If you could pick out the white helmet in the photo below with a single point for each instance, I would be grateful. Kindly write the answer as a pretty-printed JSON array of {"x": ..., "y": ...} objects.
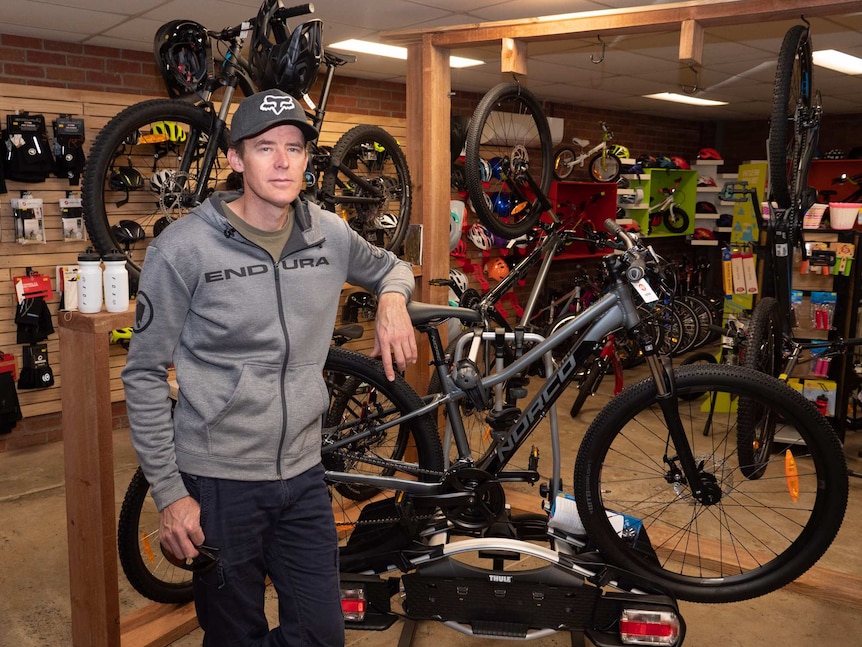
[
  {"x": 161, "y": 180},
  {"x": 385, "y": 221},
  {"x": 480, "y": 236},
  {"x": 456, "y": 222},
  {"x": 459, "y": 279}
]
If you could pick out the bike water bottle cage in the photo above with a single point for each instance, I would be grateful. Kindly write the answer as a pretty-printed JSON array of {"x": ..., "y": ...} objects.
[{"x": 183, "y": 54}]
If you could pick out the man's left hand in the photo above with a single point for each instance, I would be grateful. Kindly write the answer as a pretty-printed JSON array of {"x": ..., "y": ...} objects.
[{"x": 394, "y": 336}]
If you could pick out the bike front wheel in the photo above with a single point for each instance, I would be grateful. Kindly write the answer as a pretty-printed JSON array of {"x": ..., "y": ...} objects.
[
  {"x": 675, "y": 219},
  {"x": 368, "y": 184},
  {"x": 727, "y": 537},
  {"x": 509, "y": 151},
  {"x": 362, "y": 400},
  {"x": 144, "y": 170},
  {"x": 605, "y": 168}
]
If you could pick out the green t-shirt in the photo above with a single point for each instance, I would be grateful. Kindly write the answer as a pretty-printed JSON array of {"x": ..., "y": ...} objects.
[{"x": 271, "y": 241}]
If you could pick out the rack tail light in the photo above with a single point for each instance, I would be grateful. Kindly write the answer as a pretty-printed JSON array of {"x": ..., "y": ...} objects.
[{"x": 645, "y": 627}]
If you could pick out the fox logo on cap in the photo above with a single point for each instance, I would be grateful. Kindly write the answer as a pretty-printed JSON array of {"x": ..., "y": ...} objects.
[{"x": 277, "y": 104}]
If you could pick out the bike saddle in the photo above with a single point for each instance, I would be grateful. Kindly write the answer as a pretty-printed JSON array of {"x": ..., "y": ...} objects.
[
  {"x": 583, "y": 143},
  {"x": 423, "y": 313}
]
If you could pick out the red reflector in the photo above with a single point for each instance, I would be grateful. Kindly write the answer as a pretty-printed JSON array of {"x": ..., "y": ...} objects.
[
  {"x": 645, "y": 629},
  {"x": 353, "y": 606}
]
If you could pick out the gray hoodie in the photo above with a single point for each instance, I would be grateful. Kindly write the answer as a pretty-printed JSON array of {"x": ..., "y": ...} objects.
[{"x": 248, "y": 338}]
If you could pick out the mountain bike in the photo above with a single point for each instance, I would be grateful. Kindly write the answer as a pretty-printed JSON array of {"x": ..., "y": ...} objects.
[
  {"x": 156, "y": 160},
  {"x": 658, "y": 483},
  {"x": 604, "y": 162}
]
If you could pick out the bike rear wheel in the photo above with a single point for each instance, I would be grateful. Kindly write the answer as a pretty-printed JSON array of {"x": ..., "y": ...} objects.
[
  {"x": 361, "y": 400},
  {"x": 141, "y": 558},
  {"x": 510, "y": 133},
  {"x": 747, "y": 537},
  {"x": 675, "y": 219},
  {"x": 789, "y": 137},
  {"x": 368, "y": 184},
  {"x": 564, "y": 163},
  {"x": 143, "y": 169}
]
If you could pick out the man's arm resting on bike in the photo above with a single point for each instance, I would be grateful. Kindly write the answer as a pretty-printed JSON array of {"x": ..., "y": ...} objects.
[{"x": 394, "y": 336}]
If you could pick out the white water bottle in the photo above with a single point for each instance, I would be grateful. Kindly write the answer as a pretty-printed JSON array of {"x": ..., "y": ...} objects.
[
  {"x": 89, "y": 282},
  {"x": 116, "y": 279}
]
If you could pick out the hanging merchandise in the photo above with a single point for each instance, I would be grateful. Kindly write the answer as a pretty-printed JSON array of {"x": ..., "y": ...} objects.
[
  {"x": 72, "y": 215},
  {"x": 28, "y": 155},
  {"x": 67, "y": 286},
  {"x": 29, "y": 222},
  {"x": 36, "y": 373},
  {"x": 33, "y": 320},
  {"x": 69, "y": 148},
  {"x": 32, "y": 285},
  {"x": 10, "y": 410}
]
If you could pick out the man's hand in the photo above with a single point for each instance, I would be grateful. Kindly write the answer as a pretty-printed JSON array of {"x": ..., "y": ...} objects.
[
  {"x": 394, "y": 336},
  {"x": 180, "y": 528}
]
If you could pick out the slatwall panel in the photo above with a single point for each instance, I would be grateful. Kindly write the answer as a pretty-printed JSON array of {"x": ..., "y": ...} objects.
[{"x": 96, "y": 109}]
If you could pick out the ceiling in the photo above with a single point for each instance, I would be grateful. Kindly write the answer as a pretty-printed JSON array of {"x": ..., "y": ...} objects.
[{"x": 738, "y": 63}]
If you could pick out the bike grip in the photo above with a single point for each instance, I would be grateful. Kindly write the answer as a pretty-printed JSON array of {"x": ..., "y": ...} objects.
[
  {"x": 612, "y": 226},
  {"x": 636, "y": 271},
  {"x": 299, "y": 10}
]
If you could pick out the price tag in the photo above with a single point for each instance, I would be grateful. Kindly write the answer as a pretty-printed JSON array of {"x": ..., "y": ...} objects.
[{"x": 645, "y": 291}]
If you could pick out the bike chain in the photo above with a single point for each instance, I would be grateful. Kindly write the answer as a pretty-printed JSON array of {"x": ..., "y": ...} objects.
[{"x": 380, "y": 462}]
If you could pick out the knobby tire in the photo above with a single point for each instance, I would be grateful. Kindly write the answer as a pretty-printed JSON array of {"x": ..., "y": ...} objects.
[{"x": 755, "y": 538}]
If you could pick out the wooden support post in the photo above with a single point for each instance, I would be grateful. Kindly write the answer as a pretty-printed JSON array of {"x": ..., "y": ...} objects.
[
  {"x": 514, "y": 57},
  {"x": 89, "y": 474},
  {"x": 691, "y": 42},
  {"x": 428, "y": 125}
]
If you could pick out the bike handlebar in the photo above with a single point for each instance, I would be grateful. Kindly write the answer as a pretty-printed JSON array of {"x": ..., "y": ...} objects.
[{"x": 291, "y": 12}]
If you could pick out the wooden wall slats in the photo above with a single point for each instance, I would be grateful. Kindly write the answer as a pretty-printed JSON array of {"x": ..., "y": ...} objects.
[{"x": 96, "y": 108}]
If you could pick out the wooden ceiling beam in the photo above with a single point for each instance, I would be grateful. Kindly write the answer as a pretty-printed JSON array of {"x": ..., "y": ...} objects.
[{"x": 632, "y": 20}]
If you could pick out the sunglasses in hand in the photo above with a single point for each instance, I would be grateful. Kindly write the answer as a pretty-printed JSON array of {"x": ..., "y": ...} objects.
[{"x": 206, "y": 559}]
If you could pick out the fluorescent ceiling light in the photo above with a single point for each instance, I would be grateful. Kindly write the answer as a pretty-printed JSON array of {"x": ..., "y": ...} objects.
[
  {"x": 685, "y": 98},
  {"x": 391, "y": 51},
  {"x": 838, "y": 61}
]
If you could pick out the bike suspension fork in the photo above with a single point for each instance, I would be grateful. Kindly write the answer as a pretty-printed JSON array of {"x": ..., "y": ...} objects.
[{"x": 661, "y": 370}]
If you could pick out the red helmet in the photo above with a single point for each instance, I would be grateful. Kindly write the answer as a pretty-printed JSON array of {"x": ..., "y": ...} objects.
[
  {"x": 679, "y": 162},
  {"x": 708, "y": 154}
]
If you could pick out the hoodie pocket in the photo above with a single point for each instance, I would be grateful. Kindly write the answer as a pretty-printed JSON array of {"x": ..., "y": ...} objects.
[
  {"x": 249, "y": 425},
  {"x": 307, "y": 400}
]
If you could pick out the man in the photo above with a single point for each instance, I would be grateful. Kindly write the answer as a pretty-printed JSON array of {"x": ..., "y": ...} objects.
[{"x": 241, "y": 297}]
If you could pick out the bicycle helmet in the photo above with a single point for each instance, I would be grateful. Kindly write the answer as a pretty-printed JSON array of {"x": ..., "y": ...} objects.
[
  {"x": 290, "y": 63},
  {"x": 385, "y": 221},
  {"x": 459, "y": 280},
  {"x": 708, "y": 154},
  {"x": 484, "y": 170},
  {"x": 705, "y": 180},
  {"x": 460, "y": 250},
  {"x": 128, "y": 232},
  {"x": 705, "y": 207},
  {"x": 168, "y": 131},
  {"x": 679, "y": 162},
  {"x": 161, "y": 180},
  {"x": 619, "y": 151},
  {"x": 125, "y": 178},
  {"x": 358, "y": 306},
  {"x": 502, "y": 202},
  {"x": 456, "y": 222},
  {"x": 183, "y": 53},
  {"x": 480, "y": 236},
  {"x": 497, "y": 269}
]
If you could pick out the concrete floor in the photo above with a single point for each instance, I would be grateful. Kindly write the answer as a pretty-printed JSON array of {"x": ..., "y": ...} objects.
[{"x": 34, "y": 585}]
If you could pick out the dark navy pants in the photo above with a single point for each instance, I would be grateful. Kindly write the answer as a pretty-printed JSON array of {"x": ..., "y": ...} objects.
[{"x": 283, "y": 529}]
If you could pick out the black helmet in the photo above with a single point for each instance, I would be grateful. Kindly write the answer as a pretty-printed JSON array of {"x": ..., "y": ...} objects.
[
  {"x": 290, "y": 63},
  {"x": 128, "y": 232},
  {"x": 125, "y": 178},
  {"x": 183, "y": 52}
]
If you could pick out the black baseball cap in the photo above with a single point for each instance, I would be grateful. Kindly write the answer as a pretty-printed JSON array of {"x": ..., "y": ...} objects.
[{"x": 266, "y": 109}]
